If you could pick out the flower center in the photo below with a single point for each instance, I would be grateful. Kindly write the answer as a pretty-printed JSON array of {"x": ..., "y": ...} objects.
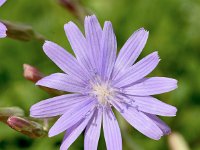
[{"x": 103, "y": 92}]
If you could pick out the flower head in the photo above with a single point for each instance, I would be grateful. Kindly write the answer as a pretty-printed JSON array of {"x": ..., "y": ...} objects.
[
  {"x": 3, "y": 28},
  {"x": 99, "y": 81}
]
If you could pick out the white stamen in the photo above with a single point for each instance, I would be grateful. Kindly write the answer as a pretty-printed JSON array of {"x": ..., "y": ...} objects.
[{"x": 103, "y": 92}]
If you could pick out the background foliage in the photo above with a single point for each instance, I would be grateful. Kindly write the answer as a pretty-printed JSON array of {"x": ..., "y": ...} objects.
[{"x": 174, "y": 31}]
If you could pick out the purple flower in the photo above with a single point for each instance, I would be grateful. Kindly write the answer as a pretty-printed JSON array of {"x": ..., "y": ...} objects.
[
  {"x": 3, "y": 28},
  {"x": 100, "y": 81}
]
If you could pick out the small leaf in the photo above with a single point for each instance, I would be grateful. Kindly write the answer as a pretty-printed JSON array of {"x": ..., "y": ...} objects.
[{"x": 22, "y": 32}]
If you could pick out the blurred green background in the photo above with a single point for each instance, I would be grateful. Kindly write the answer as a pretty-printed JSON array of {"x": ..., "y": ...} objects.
[{"x": 174, "y": 27}]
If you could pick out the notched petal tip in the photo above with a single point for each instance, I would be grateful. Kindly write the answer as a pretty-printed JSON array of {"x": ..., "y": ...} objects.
[
  {"x": 87, "y": 17},
  {"x": 108, "y": 23},
  {"x": 157, "y": 138},
  {"x": 142, "y": 29},
  {"x": 155, "y": 55},
  {"x": 93, "y": 16},
  {"x": 108, "y": 26},
  {"x": 174, "y": 110},
  {"x": 68, "y": 24},
  {"x": 46, "y": 42},
  {"x": 38, "y": 83},
  {"x": 49, "y": 46},
  {"x": 46, "y": 45},
  {"x": 174, "y": 82},
  {"x": 50, "y": 134}
]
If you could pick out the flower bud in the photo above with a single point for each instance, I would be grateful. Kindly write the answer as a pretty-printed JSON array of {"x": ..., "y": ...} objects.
[
  {"x": 22, "y": 32},
  {"x": 26, "y": 126},
  {"x": 75, "y": 8},
  {"x": 31, "y": 73},
  {"x": 6, "y": 112}
]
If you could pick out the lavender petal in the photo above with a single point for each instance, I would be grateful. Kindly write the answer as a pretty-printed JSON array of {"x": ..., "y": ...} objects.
[
  {"x": 57, "y": 105},
  {"x": 78, "y": 44},
  {"x": 152, "y": 105},
  {"x": 64, "y": 60},
  {"x": 131, "y": 50},
  {"x": 139, "y": 121},
  {"x": 92, "y": 132},
  {"x": 152, "y": 86},
  {"x": 111, "y": 130},
  {"x": 163, "y": 126},
  {"x": 62, "y": 82},
  {"x": 93, "y": 33},
  {"x": 137, "y": 71},
  {"x": 108, "y": 50},
  {"x": 70, "y": 118},
  {"x": 73, "y": 132}
]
